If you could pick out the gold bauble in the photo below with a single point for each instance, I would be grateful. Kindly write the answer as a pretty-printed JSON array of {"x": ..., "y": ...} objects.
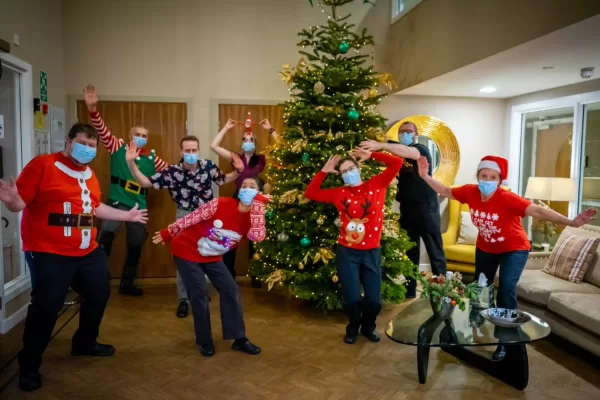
[
  {"x": 321, "y": 220},
  {"x": 256, "y": 256},
  {"x": 301, "y": 266},
  {"x": 334, "y": 279},
  {"x": 267, "y": 188},
  {"x": 373, "y": 93},
  {"x": 319, "y": 87}
]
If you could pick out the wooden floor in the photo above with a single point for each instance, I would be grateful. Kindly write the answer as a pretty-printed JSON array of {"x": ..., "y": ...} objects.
[{"x": 303, "y": 358}]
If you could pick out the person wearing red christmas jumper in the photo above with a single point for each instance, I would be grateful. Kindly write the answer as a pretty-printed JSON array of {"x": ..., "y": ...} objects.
[
  {"x": 502, "y": 242},
  {"x": 198, "y": 242},
  {"x": 358, "y": 256}
]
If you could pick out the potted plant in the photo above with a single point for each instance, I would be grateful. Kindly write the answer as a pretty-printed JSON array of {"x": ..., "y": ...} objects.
[{"x": 446, "y": 292}]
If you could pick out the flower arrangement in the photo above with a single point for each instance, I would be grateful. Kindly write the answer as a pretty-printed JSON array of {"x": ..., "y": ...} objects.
[{"x": 447, "y": 289}]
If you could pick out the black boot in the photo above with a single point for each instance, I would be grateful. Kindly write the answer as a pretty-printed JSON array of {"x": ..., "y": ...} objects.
[
  {"x": 183, "y": 309},
  {"x": 207, "y": 350},
  {"x": 129, "y": 288},
  {"x": 500, "y": 353},
  {"x": 245, "y": 346},
  {"x": 30, "y": 382},
  {"x": 411, "y": 288},
  {"x": 96, "y": 350},
  {"x": 353, "y": 310}
]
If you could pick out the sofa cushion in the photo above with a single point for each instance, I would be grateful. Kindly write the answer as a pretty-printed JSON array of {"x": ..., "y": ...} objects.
[
  {"x": 536, "y": 287},
  {"x": 593, "y": 274},
  {"x": 468, "y": 232},
  {"x": 572, "y": 256},
  {"x": 581, "y": 309},
  {"x": 464, "y": 253}
]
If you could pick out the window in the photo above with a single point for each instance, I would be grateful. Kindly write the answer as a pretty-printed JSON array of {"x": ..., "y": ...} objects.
[{"x": 401, "y": 7}]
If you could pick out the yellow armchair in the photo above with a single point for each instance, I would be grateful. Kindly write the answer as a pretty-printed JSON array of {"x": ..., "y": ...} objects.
[{"x": 459, "y": 257}]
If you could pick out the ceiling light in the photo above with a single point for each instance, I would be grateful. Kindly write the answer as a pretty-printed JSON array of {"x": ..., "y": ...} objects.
[{"x": 487, "y": 89}]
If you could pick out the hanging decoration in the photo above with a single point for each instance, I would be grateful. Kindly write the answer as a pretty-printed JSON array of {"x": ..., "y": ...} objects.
[
  {"x": 344, "y": 47},
  {"x": 278, "y": 276},
  {"x": 283, "y": 237},
  {"x": 353, "y": 114},
  {"x": 270, "y": 214},
  {"x": 287, "y": 74},
  {"x": 387, "y": 80},
  {"x": 256, "y": 256},
  {"x": 305, "y": 158},
  {"x": 321, "y": 220},
  {"x": 337, "y": 222},
  {"x": 319, "y": 87},
  {"x": 373, "y": 93},
  {"x": 335, "y": 279},
  {"x": 305, "y": 241}
]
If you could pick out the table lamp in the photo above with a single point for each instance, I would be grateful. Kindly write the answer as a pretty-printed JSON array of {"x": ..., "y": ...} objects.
[{"x": 549, "y": 189}]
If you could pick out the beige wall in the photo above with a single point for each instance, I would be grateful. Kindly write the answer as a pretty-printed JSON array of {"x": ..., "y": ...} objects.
[
  {"x": 203, "y": 51},
  {"x": 439, "y": 36},
  {"x": 38, "y": 24}
]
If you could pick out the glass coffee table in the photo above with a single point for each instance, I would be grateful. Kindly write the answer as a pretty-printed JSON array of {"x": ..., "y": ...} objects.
[{"x": 416, "y": 326}]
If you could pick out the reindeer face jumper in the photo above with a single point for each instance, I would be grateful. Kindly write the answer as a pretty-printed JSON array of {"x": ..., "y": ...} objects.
[{"x": 361, "y": 207}]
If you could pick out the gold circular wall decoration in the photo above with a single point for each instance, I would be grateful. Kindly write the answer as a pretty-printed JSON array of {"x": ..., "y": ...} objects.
[{"x": 442, "y": 136}]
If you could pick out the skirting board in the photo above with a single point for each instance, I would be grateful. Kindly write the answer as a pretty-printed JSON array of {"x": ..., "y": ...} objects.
[{"x": 13, "y": 320}]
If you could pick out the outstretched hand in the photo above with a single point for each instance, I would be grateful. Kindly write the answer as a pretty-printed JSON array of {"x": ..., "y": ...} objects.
[
  {"x": 136, "y": 215},
  {"x": 361, "y": 155},
  {"x": 371, "y": 145},
  {"x": 230, "y": 124},
  {"x": 131, "y": 151},
  {"x": 8, "y": 191},
  {"x": 265, "y": 124},
  {"x": 91, "y": 98},
  {"x": 237, "y": 163},
  {"x": 423, "y": 165},
  {"x": 329, "y": 167},
  {"x": 157, "y": 239},
  {"x": 584, "y": 217}
]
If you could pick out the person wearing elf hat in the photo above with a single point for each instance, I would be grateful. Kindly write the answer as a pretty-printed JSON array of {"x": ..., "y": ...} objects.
[
  {"x": 198, "y": 242},
  {"x": 254, "y": 164},
  {"x": 502, "y": 242},
  {"x": 124, "y": 192}
]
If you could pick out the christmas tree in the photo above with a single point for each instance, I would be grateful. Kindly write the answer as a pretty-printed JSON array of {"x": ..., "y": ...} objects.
[{"x": 332, "y": 109}]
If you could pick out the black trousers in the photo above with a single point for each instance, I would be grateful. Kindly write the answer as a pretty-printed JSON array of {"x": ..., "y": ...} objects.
[
  {"x": 51, "y": 276},
  {"x": 423, "y": 222},
  {"x": 136, "y": 236},
  {"x": 356, "y": 268}
]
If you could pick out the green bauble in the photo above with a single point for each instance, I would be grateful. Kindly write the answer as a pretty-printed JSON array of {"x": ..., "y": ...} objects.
[
  {"x": 305, "y": 242},
  {"x": 305, "y": 158},
  {"x": 270, "y": 215},
  {"x": 344, "y": 47},
  {"x": 353, "y": 115}
]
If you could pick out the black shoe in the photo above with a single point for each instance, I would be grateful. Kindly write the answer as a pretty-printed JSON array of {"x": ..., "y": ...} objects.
[
  {"x": 97, "y": 350},
  {"x": 130, "y": 289},
  {"x": 350, "y": 337},
  {"x": 30, "y": 382},
  {"x": 207, "y": 350},
  {"x": 246, "y": 347},
  {"x": 255, "y": 283},
  {"x": 183, "y": 309},
  {"x": 372, "y": 335},
  {"x": 499, "y": 354}
]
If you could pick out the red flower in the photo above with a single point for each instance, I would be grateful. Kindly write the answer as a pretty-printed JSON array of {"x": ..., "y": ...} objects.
[{"x": 423, "y": 273}]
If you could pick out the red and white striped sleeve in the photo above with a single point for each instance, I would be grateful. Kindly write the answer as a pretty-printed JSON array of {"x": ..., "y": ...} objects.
[
  {"x": 110, "y": 142},
  {"x": 203, "y": 213},
  {"x": 159, "y": 163}
]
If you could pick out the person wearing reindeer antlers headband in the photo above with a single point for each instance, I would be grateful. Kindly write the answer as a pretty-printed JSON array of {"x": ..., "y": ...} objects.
[
  {"x": 254, "y": 164},
  {"x": 358, "y": 256}
]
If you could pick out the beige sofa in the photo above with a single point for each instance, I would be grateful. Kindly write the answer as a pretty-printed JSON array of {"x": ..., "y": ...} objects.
[{"x": 572, "y": 310}]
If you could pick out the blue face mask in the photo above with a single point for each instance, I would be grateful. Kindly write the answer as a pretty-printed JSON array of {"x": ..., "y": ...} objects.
[
  {"x": 83, "y": 154},
  {"x": 190, "y": 159},
  {"x": 248, "y": 146},
  {"x": 406, "y": 138},
  {"x": 139, "y": 141},
  {"x": 352, "y": 177},
  {"x": 246, "y": 195},
  {"x": 488, "y": 187}
]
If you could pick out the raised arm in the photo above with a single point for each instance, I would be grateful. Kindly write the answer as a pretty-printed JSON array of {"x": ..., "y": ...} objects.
[
  {"x": 547, "y": 214},
  {"x": 159, "y": 163},
  {"x": 386, "y": 177},
  {"x": 258, "y": 231},
  {"x": 216, "y": 144},
  {"x": 204, "y": 212},
  {"x": 110, "y": 142},
  {"x": 267, "y": 125},
  {"x": 397, "y": 149},
  {"x": 131, "y": 154},
  {"x": 9, "y": 195},
  {"x": 313, "y": 190},
  {"x": 438, "y": 187}
]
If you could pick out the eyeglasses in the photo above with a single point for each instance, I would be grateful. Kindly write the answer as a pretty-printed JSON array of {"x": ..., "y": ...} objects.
[
  {"x": 352, "y": 168},
  {"x": 411, "y": 132}
]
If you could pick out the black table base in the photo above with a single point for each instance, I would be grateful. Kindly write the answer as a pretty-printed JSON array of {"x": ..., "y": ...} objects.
[{"x": 512, "y": 370}]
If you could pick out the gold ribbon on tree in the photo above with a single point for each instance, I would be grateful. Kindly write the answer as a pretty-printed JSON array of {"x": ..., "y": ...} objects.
[
  {"x": 289, "y": 197},
  {"x": 390, "y": 228},
  {"x": 287, "y": 74},
  {"x": 298, "y": 145},
  {"x": 387, "y": 80},
  {"x": 277, "y": 276}
]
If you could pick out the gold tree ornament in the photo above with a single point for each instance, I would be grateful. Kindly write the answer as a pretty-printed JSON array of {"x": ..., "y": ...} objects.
[
  {"x": 287, "y": 74},
  {"x": 321, "y": 220},
  {"x": 256, "y": 256},
  {"x": 289, "y": 197},
  {"x": 319, "y": 88},
  {"x": 387, "y": 80},
  {"x": 335, "y": 279},
  {"x": 275, "y": 277},
  {"x": 373, "y": 93},
  {"x": 302, "y": 65},
  {"x": 298, "y": 145}
]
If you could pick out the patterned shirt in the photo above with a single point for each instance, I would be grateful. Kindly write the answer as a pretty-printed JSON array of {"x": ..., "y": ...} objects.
[{"x": 189, "y": 189}]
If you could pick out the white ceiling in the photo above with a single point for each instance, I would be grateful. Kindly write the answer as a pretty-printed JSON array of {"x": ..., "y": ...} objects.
[{"x": 519, "y": 70}]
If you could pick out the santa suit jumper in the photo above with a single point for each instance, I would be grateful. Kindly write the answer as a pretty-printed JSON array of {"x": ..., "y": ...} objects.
[
  {"x": 358, "y": 256},
  {"x": 58, "y": 236},
  {"x": 198, "y": 242},
  {"x": 124, "y": 193}
]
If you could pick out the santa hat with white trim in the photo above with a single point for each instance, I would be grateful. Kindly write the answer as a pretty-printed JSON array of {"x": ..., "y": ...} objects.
[{"x": 497, "y": 164}]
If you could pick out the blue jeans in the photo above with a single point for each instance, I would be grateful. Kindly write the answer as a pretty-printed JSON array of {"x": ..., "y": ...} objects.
[{"x": 511, "y": 266}]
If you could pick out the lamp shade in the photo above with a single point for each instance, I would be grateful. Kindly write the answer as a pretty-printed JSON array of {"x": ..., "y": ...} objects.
[{"x": 551, "y": 189}]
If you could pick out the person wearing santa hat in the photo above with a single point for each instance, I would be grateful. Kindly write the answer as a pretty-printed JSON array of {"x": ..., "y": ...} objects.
[
  {"x": 254, "y": 164},
  {"x": 502, "y": 242}
]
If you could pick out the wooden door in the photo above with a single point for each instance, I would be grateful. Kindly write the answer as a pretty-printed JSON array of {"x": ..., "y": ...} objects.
[
  {"x": 166, "y": 123},
  {"x": 233, "y": 142}
]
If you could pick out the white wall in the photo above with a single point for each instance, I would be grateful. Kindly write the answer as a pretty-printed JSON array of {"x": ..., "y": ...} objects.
[
  {"x": 200, "y": 50},
  {"x": 477, "y": 123}
]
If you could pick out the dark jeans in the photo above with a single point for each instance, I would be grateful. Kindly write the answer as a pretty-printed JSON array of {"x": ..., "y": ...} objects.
[
  {"x": 511, "y": 266},
  {"x": 194, "y": 278},
  {"x": 230, "y": 256},
  {"x": 356, "y": 268},
  {"x": 51, "y": 276},
  {"x": 136, "y": 236},
  {"x": 423, "y": 222}
]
